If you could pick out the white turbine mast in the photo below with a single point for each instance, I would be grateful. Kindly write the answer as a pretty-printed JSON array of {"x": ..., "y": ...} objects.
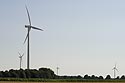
[
  {"x": 29, "y": 27},
  {"x": 115, "y": 69},
  {"x": 57, "y": 71},
  {"x": 20, "y": 56}
]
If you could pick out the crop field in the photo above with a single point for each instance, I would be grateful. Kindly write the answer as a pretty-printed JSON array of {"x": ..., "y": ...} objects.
[
  {"x": 36, "y": 80},
  {"x": 59, "y": 82}
]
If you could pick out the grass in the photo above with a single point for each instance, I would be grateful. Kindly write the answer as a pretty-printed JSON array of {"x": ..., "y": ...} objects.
[{"x": 55, "y": 80}]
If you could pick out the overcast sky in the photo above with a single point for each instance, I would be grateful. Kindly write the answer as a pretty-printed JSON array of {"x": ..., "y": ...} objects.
[{"x": 80, "y": 36}]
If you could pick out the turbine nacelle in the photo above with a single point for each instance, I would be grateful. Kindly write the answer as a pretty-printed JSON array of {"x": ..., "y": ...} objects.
[
  {"x": 20, "y": 56},
  {"x": 115, "y": 68},
  {"x": 29, "y": 26}
]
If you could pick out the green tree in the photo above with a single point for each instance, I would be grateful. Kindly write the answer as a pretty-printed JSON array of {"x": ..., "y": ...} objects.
[
  {"x": 6, "y": 74},
  {"x": 100, "y": 77},
  {"x": 46, "y": 73},
  {"x": 13, "y": 73},
  {"x": 117, "y": 77},
  {"x": 93, "y": 77},
  {"x": 1, "y": 74},
  {"x": 86, "y": 77},
  {"x": 108, "y": 77},
  {"x": 122, "y": 77},
  {"x": 34, "y": 73},
  {"x": 79, "y": 77},
  {"x": 22, "y": 73},
  {"x": 27, "y": 72}
]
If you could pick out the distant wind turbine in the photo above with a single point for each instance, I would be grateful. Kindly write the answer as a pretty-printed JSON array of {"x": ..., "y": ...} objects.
[
  {"x": 57, "y": 70},
  {"x": 20, "y": 56},
  {"x": 27, "y": 36},
  {"x": 115, "y": 69}
]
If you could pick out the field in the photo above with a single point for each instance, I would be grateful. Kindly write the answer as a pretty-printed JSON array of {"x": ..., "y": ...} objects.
[
  {"x": 60, "y": 82},
  {"x": 37, "y": 80}
]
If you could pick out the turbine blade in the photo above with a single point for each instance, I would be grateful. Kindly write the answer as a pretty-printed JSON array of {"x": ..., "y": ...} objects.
[
  {"x": 19, "y": 53},
  {"x": 36, "y": 28},
  {"x": 26, "y": 38},
  {"x": 29, "y": 28},
  {"x": 116, "y": 69},
  {"x": 28, "y": 15},
  {"x": 22, "y": 54}
]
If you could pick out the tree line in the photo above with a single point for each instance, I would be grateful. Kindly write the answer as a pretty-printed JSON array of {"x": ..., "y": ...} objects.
[
  {"x": 28, "y": 73},
  {"x": 47, "y": 73},
  {"x": 87, "y": 77}
]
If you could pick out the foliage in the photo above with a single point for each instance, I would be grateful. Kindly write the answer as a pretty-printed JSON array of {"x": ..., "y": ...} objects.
[
  {"x": 31, "y": 73},
  {"x": 58, "y": 80},
  {"x": 123, "y": 77},
  {"x": 46, "y": 74},
  {"x": 108, "y": 77}
]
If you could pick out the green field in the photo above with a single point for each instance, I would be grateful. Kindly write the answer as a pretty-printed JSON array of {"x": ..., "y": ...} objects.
[
  {"x": 59, "y": 82},
  {"x": 39, "y": 80}
]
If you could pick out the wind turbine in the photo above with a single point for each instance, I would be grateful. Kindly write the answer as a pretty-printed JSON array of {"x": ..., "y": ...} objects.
[
  {"x": 20, "y": 56},
  {"x": 27, "y": 36},
  {"x": 57, "y": 70},
  {"x": 115, "y": 69}
]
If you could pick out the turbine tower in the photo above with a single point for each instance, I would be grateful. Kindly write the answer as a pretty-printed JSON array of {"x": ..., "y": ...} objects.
[
  {"x": 27, "y": 36},
  {"x": 57, "y": 70},
  {"x": 20, "y": 56},
  {"x": 115, "y": 69}
]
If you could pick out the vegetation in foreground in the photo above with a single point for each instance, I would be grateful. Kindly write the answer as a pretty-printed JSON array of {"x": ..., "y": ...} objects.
[
  {"x": 57, "y": 80},
  {"x": 47, "y": 75}
]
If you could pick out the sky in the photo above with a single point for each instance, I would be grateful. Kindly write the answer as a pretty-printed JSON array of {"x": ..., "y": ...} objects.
[{"x": 80, "y": 36}]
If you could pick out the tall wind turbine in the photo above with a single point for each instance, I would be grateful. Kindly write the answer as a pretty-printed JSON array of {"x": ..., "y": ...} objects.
[
  {"x": 27, "y": 36},
  {"x": 20, "y": 56},
  {"x": 115, "y": 69}
]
